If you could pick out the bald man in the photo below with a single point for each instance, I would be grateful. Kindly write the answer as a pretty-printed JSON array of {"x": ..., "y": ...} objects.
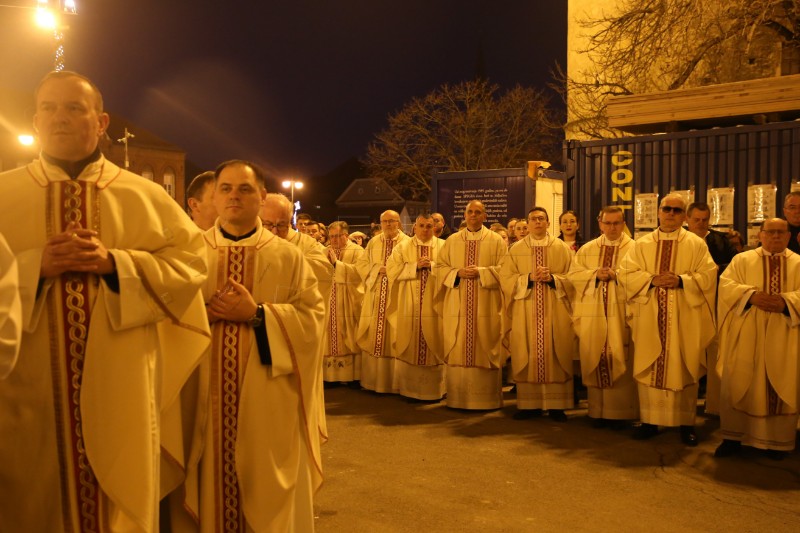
[
  {"x": 759, "y": 314},
  {"x": 669, "y": 280},
  {"x": 377, "y": 360},
  {"x": 469, "y": 303}
]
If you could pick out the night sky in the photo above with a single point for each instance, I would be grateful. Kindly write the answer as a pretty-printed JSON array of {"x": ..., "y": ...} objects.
[{"x": 298, "y": 86}]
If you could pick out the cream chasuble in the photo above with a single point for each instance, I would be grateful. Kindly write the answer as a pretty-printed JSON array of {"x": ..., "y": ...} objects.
[
  {"x": 470, "y": 310},
  {"x": 374, "y": 331},
  {"x": 759, "y": 350},
  {"x": 540, "y": 331},
  {"x": 671, "y": 328},
  {"x": 97, "y": 368},
  {"x": 261, "y": 461},
  {"x": 420, "y": 370},
  {"x": 599, "y": 315},
  {"x": 342, "y": 355},
  {"x": 10, "y": 310}
]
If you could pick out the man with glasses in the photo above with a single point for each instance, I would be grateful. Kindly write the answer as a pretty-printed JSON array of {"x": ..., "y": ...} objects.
[
  {"x": 377, "y": 361},
  {"x": 600, "y": 321},
  {"x": 791, "y": 212},
  {"x": 759, "y": 313},
  {"x": 669, "y": 280},
  {"x": 542, "y": 339}
]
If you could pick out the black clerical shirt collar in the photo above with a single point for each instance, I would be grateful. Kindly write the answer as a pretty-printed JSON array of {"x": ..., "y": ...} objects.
[
  {"x": 240, "y": 237},
  {"x": 73, "y": 168}
]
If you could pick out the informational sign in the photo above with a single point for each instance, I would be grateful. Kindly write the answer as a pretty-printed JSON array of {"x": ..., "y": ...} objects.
[
  {"x": 720, "y": 201},
  {"x": 504, "y": 196},
  {"x": 761, "y": 202},
  {"x": 645, "y": 211}
]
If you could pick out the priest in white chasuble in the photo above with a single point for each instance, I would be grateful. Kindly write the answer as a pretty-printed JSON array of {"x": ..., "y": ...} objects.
[
  {"x": 110, "y": 271},
  {"x": 599, "y": 315},
  {"x": 540, "y": 332},
  {"x": 469, "y": 302},
  {"x": 261, "y": 461},
  {"x": 276, "y": 216},
  {"x": 341, "y": 361},
  {"x": 10, "y": 310},
  {"x": 759, "y": 314},
  {"x": 374, "y": 330},
  {"x": 670, "y": 285},
  {"x": 419, "y": 369}
]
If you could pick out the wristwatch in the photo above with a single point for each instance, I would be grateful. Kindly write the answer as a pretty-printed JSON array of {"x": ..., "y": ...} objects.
[{"x": 258, "y": 318}]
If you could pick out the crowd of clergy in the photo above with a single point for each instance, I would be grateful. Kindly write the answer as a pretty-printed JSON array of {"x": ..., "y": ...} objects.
[{"x": 159, "y": 370}]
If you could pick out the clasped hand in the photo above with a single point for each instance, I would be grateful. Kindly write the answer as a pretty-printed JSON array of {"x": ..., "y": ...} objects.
[
  {"x": 772, "y": 303},
  {"x": 75, "y": 250},
  {"x": 233, "y": 303},
  {"x": 667, "y": 280}
]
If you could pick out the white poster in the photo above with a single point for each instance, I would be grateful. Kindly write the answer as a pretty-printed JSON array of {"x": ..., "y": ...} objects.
[
  {"x": 721, "y": 203},
  {"x": 645, "y": 210},
  {"x": 687, "y": 195},
  {"x": 761, "y": 202}
]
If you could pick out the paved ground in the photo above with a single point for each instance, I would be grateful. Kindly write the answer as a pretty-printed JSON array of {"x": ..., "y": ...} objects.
[{"x": 394, "y": 466}]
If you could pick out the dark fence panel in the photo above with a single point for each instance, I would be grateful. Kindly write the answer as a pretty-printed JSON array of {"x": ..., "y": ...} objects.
[{"x": 613, "y": 171}]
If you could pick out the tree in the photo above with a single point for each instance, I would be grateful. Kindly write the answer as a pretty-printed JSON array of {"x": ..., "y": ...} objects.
[
  {"x": 660, "y": 45},
  {"x": 462, "y": 127}
]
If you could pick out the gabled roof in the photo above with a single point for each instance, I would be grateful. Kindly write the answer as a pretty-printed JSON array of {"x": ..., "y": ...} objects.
[{"x": 369, "y": 191}]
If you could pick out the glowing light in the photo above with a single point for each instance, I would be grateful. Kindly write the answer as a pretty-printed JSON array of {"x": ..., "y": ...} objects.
[
  {"x": 25, "y": 139},
  {"x": 70, "y": 7},
  {"x": 298, "y": 184},
  {"x": 45, "y": 18},
  {"x": 286, "y": 184}
]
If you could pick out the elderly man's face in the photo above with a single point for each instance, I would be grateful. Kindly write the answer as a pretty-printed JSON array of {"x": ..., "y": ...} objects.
[
  {"x": 791, "y": 210},
  {"x": 390, "y": 225},
  {"x": 338, "y": 237},
  {"x": 671, "y": 214},
  {"x": 275, "y": 219},
  {"x": 775, "y": 236},
  {"x": 66, "y": 120}
]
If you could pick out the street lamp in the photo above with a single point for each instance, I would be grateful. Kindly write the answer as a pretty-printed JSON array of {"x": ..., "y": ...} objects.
[{"x": 292, "y": 184}]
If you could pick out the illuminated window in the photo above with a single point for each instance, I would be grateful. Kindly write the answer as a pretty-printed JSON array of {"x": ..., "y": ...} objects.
[
  {"x": 169, "y": 181},
  {"x": 147, "y": 172}
]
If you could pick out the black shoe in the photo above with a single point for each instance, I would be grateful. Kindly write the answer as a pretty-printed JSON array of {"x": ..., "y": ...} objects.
[
  {"x": 557, "y": 415},
  {"x": 776, "y": 455},
  {"x": 527, "y": 414},
  {"x": 598, "y": 423},
  {"x": 617, "y": 425},
  {"x": 688, "y": 436},
  {"x": 728, "y": 448},
  {"x": 330, "y": 384},
  {"x": 356, "y": 385},
  {"x": 645, "y": 431}
]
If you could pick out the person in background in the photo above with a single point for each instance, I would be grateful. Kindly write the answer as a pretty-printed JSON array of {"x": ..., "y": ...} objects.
[
  {"x": 570, "y": 226},
  {"x": 440, "y": 228},
  {"x": 512, "y": 222},
  {"x": 200, "y": 202},
  {"x": 520, "y": 230},
  {"x": 791, "y": 212},
  {"x": 358, "y": 237}
]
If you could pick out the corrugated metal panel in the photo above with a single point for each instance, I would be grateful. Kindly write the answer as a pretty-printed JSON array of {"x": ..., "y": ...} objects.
[{"x": 611, "y": 172}]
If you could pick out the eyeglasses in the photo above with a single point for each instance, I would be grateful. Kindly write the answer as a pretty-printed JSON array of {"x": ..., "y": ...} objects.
[
  {"x": 670, "y": 209},
  {"x": 280, "y": 227},
  {"x": 775, "y": 232},
  {"x": 538, "y": 219},
  {"x": 390, "y": 221},
  {"x": 614, "y": 224}
]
